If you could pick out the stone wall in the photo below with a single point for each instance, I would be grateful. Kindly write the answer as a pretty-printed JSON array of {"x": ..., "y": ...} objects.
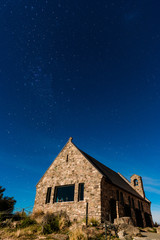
[
  {"x": 139, "y": 186},
  {"x": 125, "y": 208},
  {"x": 71, "y": 167}
]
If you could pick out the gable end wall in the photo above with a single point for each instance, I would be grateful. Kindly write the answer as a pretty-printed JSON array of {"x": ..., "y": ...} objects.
[{"x": 76, "y": 170}]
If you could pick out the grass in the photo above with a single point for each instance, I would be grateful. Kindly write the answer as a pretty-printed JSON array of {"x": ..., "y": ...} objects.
[
  {"x": 57, "y": 227},
  {"x": 152, "y": 230}
]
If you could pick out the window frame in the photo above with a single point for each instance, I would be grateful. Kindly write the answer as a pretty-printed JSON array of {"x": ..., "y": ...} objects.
[
  {"x": 61, "y": 186},
  {"x": 80, "y": 191},
  {"x": 48, "y": 195},
  {"x": 136, "y": 182}
]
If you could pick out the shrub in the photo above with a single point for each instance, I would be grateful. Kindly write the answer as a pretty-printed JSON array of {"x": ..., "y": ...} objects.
[
  {"x": 156, "y": 224},
  {"x": 19, "y": 216},
  {"x": 50, "y": 223},
  {"x": 77, "y": 234},
  {"x": 38, "y": 213},
  {"x": 6, "y": 223},
  {"x": 64, "y": 221},
  {"x": 26, "y": 222},
  {"x": 55, "y": 222},
  {"x": 1, "y": 217},
  {"x": 6, "y": 203},
  {"x": 93, "y": 222}
]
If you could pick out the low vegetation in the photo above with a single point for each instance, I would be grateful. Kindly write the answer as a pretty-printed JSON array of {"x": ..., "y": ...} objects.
[
  {"x": 49, "y": 226},
  {"x": 54, "y": 226}
]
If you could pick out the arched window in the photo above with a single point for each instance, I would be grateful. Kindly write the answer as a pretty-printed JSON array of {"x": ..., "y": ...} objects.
[{"x": 135, "y": 182}]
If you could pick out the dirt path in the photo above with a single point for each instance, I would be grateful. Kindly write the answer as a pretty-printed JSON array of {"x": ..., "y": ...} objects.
[{"x": 148, "y": 236}]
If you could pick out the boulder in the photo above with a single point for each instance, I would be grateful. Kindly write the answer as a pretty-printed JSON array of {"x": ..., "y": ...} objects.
[
  {"x": 121, "y": 234},
  {"x": 126, "y": 220},
  {"x": 129, "y": 230}
]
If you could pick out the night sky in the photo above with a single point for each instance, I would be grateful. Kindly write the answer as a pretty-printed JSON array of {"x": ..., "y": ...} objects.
[{"x": 86, "y": 69}]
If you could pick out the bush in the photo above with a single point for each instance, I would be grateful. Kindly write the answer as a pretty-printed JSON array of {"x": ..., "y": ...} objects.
[
  {"x": 93, "y": 222},
  {"x": 26, "y": 222},
  {"x": 1, "y": 217},
  {"x": 156, "y": 224},
  {"x": 6, "y": 203},
  {"x": 55, "y": 222},
  {"x": 50, "y": 223},
  {"x": 77, "y": 233},
  {"x": 37, "y": 214},
  {"x": 64, "y": 221},
  {"x": 6, "y": 223},
  {"x": 19, "y": 216}
]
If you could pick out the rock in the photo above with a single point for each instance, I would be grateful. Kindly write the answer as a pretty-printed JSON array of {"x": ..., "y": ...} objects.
[
  {"x": 128, "y": 238},
  {"x": 121, "y": 234},
  {"x": 132, "y": 231},
  {"x": 126, "y": 220},
  {"x": 14, "y": 224},
  {"x": 113, "y": 233},
  {"x": 129, "y": 230},
  {"x": 158, "y": 229}
]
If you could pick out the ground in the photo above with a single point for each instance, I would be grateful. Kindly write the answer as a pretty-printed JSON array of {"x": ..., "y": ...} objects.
[{"x": 148, "y": 236}]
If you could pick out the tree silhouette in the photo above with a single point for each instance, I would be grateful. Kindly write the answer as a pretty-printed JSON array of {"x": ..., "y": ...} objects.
[{"x": 6, "y": 203}]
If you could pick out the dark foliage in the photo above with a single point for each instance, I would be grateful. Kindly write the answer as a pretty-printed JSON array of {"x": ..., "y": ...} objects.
[
  {"x": 6, "y": 203},
  {"x": 50, "y": 223},
  {"x": 26, "y": 222}
]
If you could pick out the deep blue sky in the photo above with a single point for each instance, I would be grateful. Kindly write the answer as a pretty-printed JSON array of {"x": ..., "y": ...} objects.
[{"x": 86, "y": 69}]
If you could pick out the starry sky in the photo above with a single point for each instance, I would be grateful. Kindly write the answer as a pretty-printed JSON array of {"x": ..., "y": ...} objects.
[{"x": 86, "y": 69}]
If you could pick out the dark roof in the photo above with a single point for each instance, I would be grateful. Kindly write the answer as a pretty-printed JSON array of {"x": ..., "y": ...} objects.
[{"x": 110, "y": 175}]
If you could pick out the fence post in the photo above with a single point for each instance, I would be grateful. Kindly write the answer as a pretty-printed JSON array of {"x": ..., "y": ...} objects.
[
  {"x": 86, "y": 213},
  {"x": 23, "y": 212},
  {"x": 117, "y": 209}
]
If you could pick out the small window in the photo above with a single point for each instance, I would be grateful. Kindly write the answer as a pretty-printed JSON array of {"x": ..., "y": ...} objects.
[
  {"x": 117, "y": 192},
  {"x": 64, "y": 193},
  {"x": 48, "y": 195},
  {"x": 81, "y": 192},
  {"x": 122, "y": 200},
  {"x": 135, "y": 182},
  {"x": 67, "y": 158}
]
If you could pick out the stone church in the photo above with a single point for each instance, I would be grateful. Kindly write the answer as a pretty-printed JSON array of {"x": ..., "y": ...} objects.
[{"x": 82, "y": 186}]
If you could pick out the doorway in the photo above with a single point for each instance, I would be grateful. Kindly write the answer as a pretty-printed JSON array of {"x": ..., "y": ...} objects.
[{"x": 113, "y": 209}]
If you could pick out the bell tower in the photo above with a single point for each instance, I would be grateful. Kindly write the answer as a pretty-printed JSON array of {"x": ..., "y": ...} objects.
[{"x": 137, "y": 184}]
